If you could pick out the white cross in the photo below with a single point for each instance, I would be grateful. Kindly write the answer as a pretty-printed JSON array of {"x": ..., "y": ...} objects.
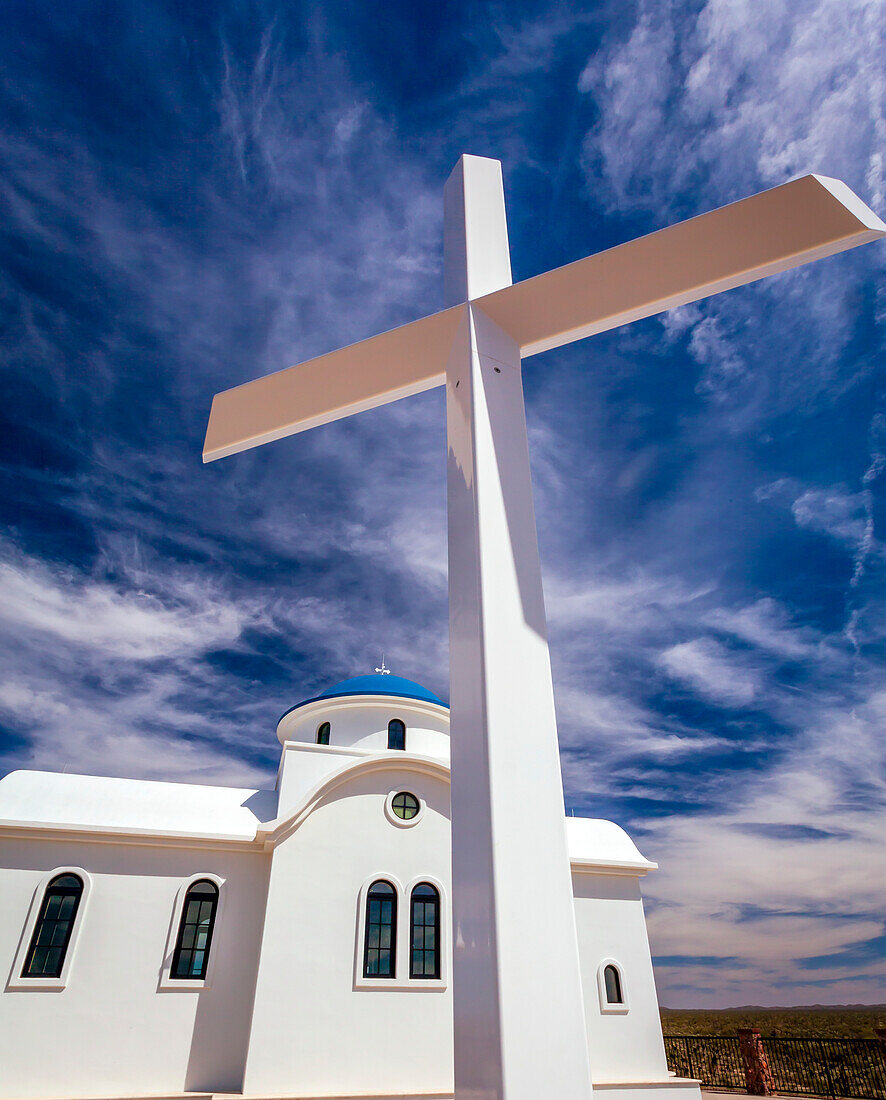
[{"x": 520, "y": 1030}]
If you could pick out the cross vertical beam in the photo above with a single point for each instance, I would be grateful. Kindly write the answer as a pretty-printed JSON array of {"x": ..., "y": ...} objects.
[{"x": 519, "y": 1014}]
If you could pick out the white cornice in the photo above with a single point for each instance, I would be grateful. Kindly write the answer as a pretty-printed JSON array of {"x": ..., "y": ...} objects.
[
  {"x": 269, "y": 834},
  {"x": 582, "y": 866},
  {"x": 109, "y": 834}
]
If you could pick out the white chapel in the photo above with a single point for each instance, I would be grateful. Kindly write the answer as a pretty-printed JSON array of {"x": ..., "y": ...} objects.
[{"x": 169, "y": 939}]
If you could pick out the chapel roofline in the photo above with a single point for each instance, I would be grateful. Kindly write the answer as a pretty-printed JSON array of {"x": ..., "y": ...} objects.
[{"x": 586, "y": 836}]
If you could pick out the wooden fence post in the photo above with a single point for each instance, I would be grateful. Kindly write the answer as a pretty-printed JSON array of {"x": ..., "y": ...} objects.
[{"x": 756, "y": 1065}]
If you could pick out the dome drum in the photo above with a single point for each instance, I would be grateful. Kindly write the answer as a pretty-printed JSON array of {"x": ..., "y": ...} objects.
[{"x": 356, "y": 714}]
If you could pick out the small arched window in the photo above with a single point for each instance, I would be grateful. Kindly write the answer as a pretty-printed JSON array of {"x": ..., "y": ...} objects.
[
  {"x": 379, "y": 951},
  {"x": 424, "y": 960},
  {"x": 396, "y": 734},
  {"x": 612, "y": 985},
  {"x": 52, "y": 932},
  {"x": 191, "y": 955},
  {"x": 323, "y": 733}
]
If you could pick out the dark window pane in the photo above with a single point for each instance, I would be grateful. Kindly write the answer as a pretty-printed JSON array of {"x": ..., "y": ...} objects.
[
  {"x": 323, "y": 734},
  {"x": 381, "y": 931},
  {"x": 424, "y": 960},
  {"x": 612, "y": 981},
  {"x": 405, "y": 805},
  {"x": 396, "y": 734},
  {"x": 195, "y": 932},
  {"x": 38, "y": 958},
  {"x": 52, "y": 932}
]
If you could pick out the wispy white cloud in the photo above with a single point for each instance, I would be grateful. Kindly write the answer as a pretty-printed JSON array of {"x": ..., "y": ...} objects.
[
  {"x": 123, "y": 624},
  {"x": 766, "y": 624},
  {"x": 702, "y": 107},
  {"x": 710, "y": 669},
  {"x": 762, "y": 100},
  {"x": 792, "y": 869}
]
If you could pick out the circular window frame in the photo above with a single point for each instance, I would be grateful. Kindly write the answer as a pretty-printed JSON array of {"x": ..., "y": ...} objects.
[{"x": 403, "y": 823}]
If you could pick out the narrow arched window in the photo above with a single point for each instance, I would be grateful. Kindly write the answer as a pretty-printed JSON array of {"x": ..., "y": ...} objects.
[
  {"x": 612, "y": 984},
  {"x": 424, "y": 960},
  {"x": 52, "y": 932},
  {"x": 191, "y": 955},
  {"x": 396, "y": 734},
  {"x": 323, "y": 733},
  {"x": 379, "y": 952}
]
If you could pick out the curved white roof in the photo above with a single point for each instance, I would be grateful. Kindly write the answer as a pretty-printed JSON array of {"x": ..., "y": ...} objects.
[
  {"x": 58, "y": 800},
  {"x": 598, "y": 843}
]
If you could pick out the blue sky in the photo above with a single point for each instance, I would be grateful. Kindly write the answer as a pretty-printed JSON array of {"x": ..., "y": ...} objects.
[{"x": 196, "y": 194}]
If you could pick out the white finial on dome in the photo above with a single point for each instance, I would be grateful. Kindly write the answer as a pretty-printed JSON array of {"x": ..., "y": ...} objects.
[{"x": 383, "y": 671}]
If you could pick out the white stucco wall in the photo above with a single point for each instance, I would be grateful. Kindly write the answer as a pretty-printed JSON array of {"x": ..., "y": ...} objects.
[
  {"x": 611, "y": 926},
  {"x": 110, "y": 1031},
  {"x": 286, "y": 1004},
  {"x": 313, "y": 1033}
]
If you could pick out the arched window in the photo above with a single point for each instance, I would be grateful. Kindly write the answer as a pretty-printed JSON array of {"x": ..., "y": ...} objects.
[
  {"x": 379, "y": 952},
  {"x": 396, "y": 734},
  {"x": 52, "y": 932},
  {"x": 424, "y": 961},
  {"x": 323, "y": 733},
  {"x": 195, "y": 931},
  {"x": 612, "y": 985}
]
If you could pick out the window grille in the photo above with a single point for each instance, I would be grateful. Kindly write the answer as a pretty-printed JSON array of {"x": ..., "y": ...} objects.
[
  {"x": 195, "y": 932},
  {"x": 52, "y": 932},
  {"x": 424, "y": 960},
  {"x": 379, "y": 951}
]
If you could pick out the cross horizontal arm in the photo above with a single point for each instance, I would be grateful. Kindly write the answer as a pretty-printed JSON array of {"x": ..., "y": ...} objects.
[
  {"x": 396, "y": 364},
  {"x": 804, "y": 220}
]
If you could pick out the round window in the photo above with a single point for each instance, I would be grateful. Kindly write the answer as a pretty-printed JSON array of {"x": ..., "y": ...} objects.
[{"x": 405, "y": 805}]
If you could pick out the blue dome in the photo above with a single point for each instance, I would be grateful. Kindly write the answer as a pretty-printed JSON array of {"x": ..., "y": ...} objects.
[
  {"x": 381, "y": 685},
  {"x": 394, "y": 686}
]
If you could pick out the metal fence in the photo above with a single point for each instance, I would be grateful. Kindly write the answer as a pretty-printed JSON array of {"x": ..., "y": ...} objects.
[
  {"x": 715, "y": 1060},
  {"x": 800, "y": 1067}
]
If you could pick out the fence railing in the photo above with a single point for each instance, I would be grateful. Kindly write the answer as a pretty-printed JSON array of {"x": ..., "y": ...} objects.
[
  {"x": 715, "y": 1060},
  {"x": 853, "y": 1068}
]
